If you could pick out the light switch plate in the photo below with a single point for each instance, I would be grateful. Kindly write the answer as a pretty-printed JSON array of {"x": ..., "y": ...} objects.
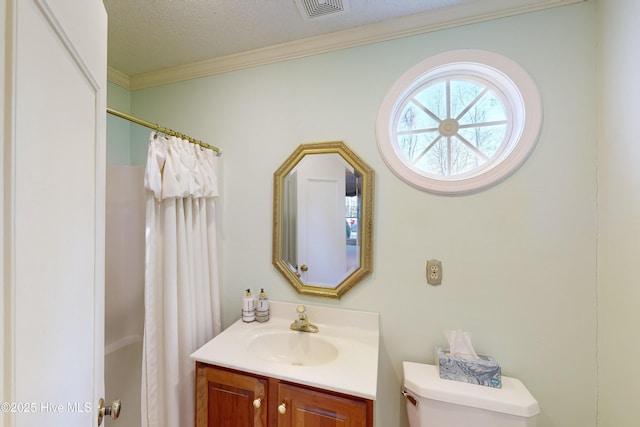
[{"x": 434, "y": 272}]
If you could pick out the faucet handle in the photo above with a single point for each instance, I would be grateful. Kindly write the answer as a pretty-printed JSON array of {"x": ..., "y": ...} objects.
[{"x": 302, "y": 313}]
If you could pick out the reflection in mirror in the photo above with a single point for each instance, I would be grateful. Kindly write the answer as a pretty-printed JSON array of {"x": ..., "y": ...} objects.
[
  {"x": 323, "y": 200},
  {"x": 289, "y": 220}
]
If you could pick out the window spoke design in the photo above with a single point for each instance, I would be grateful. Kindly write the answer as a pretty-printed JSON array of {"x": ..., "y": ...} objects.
[
  {"x": 472, "y": 103},
  {"x": 456, "y": 122},
  {"x": 473, "y": 148},
  {"x": 482, "y": 112},
  {"x": 426, "y": 110},
  {"x": 426, "y": 150},
  {"x": 478, "y": 125}
]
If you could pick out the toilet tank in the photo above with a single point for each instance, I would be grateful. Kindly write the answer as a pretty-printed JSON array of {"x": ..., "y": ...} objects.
[{"x": 435, "y": 402}]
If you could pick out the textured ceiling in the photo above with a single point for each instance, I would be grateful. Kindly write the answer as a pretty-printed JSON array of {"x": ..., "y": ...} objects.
[{"x": 147, "y": 35}]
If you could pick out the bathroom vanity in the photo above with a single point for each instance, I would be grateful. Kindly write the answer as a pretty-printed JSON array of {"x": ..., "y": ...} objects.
[
  {"x": 228, "y": 397},
  {"x": 267, "y": 375}
]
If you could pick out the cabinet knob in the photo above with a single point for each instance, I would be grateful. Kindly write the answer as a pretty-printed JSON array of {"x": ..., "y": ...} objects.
[
  {"x": 257, "y": 403},
  {"x": 282, "y": 408}
]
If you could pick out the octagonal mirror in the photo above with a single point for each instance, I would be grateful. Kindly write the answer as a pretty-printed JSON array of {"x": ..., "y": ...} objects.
[{"x": 323, "y": 219}]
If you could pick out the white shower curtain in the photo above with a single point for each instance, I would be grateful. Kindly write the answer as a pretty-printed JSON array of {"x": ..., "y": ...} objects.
[{"x": 182, "y": 310}]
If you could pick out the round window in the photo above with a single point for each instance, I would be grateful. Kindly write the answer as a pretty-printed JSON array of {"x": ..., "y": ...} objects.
[{"x": 459, "y": 121}]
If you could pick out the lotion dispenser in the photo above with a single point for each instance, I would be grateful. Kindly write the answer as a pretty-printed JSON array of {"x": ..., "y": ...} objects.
[
  {"x": 262, "y": 312},
  {"x": 248, "y": 307}
]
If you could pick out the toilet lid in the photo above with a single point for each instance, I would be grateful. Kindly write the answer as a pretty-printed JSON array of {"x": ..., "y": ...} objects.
[{"x": 512, "y": 398}]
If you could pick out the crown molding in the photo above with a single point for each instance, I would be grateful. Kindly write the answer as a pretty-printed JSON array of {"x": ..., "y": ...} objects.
[
  {"x": 438, "y": 19},
  {"x": 119, "y": 78}
]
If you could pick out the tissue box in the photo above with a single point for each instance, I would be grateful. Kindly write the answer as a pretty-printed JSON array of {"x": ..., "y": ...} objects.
[{"x": 485, "y": 371}]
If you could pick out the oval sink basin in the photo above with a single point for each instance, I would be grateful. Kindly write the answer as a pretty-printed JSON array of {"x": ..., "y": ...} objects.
[{"x": 293, "y": 348}]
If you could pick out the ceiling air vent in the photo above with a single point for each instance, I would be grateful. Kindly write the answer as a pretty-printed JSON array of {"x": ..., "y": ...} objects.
[{"x": 311, "y": 9}]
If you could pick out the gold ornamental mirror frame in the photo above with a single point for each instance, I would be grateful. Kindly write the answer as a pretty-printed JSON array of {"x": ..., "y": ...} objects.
[{"x": 302, "y": 200}]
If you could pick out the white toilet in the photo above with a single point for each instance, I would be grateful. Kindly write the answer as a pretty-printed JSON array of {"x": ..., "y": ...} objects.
[{"x": 435, "y": 402}]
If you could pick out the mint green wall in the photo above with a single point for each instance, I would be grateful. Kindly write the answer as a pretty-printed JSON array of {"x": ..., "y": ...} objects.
[
  {"x": 519, "y": 259},
  {"x": 118, "y": 130},
  {"x": 619, "y": 207},
  {"x": 118, "y": 98},
  {"x": 127, "y": 142}
]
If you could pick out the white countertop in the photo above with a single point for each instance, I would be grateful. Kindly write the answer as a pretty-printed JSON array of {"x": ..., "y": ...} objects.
[{"x": 355, "y": 334}]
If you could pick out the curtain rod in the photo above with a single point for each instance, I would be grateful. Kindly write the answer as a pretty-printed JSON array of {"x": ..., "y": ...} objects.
[{"x": 161, "y": 129}]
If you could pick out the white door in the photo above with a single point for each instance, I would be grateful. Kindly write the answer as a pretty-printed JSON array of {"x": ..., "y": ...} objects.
[
  {"x": 325, "y": 232},
  {"x": 53, "y": 211},
  {"x": 321, "y": 220}
]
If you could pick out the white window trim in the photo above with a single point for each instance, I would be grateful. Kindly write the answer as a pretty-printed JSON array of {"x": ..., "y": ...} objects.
[{"x": 517, "y": 86}]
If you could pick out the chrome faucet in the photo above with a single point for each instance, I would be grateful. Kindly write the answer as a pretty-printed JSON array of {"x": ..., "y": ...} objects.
[{"x": 302, "y": 322}]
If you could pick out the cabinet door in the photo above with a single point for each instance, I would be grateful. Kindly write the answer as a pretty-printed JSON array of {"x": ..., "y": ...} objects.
[
  {"x": 229, "y": 399},
  {"x": 305, "y": 407}
]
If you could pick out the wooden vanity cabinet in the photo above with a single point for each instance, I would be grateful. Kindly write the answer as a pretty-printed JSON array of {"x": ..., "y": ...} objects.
[
  {"x": 310, "y": 407},
  {"x": 224, "y": 398}
]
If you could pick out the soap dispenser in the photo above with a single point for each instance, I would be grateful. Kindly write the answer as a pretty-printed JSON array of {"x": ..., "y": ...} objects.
[
  {"x": 262, "y": 312},
  {"x": 248, "y": 307}
]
